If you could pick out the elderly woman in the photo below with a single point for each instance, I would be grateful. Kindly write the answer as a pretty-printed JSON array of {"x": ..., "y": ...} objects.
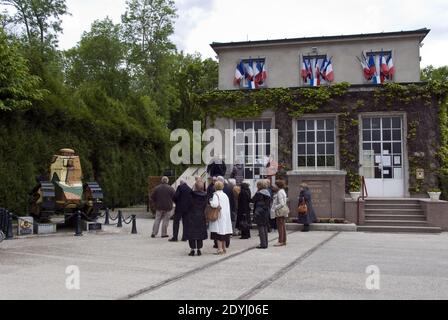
[
  {"x": 310, "y": 216},
  {"x": 221, "y": 229},
  {"x": 262, "y": 206},
  {"x": 280, "y": 211},
  {"x": 195, "y": 220}
]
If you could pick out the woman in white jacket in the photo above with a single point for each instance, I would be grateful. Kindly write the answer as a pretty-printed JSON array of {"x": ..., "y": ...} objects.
[
  {"x": 280, "y": 210},
  {"x": 221, "y": 229}
]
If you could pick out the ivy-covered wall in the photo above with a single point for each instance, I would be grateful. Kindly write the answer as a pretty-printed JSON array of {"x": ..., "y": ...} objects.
[{"x": 425, "y": 105}]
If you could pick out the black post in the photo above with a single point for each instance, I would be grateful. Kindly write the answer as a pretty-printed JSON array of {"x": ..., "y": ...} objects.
[
  {"x": 120, "y": 220},
  {"x": 9, "y": 234},
  {"x": 78, "y": 232},
  {"x": 134, "y": 224},
  {"x": 106, "y": 220}
]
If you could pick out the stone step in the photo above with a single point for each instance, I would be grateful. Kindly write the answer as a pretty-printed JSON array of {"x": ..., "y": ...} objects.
[
  {"x": 389, "y": 217},
  {"x": 397, "y": 211},
  {"x": 392, "y": 206},
  {"x": 392, "y": 201},
  {"x": 399, "y": 229},
  {"x": 411, "y": 223}
]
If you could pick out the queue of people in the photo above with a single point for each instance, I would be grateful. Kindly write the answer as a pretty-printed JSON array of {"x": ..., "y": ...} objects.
[{"x": 235, "y": 215}]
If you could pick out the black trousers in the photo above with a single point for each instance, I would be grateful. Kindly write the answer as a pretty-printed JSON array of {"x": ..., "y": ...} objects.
[
  {"x": 176, "y": 223},
  {"x": 263, "y": 234},
  {"x": 196, "y": 244}
]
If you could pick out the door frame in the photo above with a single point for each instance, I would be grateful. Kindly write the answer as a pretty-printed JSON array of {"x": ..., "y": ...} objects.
[{"x": 402, "y": 114}]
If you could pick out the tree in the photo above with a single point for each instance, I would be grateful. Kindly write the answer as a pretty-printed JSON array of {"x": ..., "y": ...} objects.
[
  {"x": 41, "y": 19},
  {"x": 194, "y": 76},
  {"x": 147, "y": 26},
  {"x": 430, "y": 73},
  {"x": 99, "y": 59},
  {"x": 18, "y": 88}
]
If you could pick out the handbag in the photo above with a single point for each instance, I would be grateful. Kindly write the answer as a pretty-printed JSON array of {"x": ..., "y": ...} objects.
[
  {"x": 302, "y": 209},
  {"x": 212, "y": 214},
  {"x": 283, "y": 211}
]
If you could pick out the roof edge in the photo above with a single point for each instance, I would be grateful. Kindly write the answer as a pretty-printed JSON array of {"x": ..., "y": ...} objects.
[{"x": 423, "y": 32}]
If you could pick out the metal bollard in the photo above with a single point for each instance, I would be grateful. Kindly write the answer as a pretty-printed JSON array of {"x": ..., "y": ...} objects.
[
  {"x": 9, "y": 234},
  {"x": 78, "y": 229},
  {"x": 106, "y": 219},
  {"x": 120, "y": 220},
  {"x": 134, "y": 224}
]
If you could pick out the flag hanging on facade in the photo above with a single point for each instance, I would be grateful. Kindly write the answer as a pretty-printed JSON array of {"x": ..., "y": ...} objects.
[
  {"x": 317, "y": 70},
  {"x": 365, "y": 68},
  {"x": 260, "y": 73},
  {"x": 391, "y": 67},
  {"x": 239, "y": 74},
  {"x": 372, "y": 66},
  {"x": 304, "y": 71},
  {"x": 328, "y": 72}
]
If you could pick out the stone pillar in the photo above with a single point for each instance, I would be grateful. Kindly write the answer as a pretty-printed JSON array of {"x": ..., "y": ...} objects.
[
  {"x": 327, "y": 188},
  {"x": 436, "y": 213}
]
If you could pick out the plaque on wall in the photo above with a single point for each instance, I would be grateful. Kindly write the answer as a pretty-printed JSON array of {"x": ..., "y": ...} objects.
[{"x": 321, "y": 197}]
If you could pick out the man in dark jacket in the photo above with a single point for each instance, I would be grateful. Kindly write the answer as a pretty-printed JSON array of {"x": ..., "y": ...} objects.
[
  {"x": 182, "y": 199},
  {"x": 217, "y": 167},
  {"x": 162, "y": 196}
]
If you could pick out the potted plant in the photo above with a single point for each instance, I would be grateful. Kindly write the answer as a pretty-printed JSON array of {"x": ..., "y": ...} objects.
[
  {"x": 434, "y": 194},
  {"x": 355, "y": 187}
]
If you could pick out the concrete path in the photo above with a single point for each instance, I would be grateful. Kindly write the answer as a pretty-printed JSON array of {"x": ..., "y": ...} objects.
[{"x": 114, "y": 264}]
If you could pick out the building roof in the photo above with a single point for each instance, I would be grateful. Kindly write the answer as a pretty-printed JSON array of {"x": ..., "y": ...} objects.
[{"x": 421, "y": 33}]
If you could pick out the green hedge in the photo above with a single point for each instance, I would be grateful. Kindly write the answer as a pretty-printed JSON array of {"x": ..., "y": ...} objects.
[{"x": 120, "y": 145}]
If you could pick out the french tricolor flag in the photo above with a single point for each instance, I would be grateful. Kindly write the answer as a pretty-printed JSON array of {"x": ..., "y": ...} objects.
[
  {"x": 304, "y": 71},
  {"x": 372, "y": 66},
  {"x": 384, "y": 66},
  {"x": 390, "y": 65},
  {"x": 328, "y": 72},
  {"x": 249, "y": 71},
  {"x": 260, "y": 73},
  {"x": 239, "y": 74}
]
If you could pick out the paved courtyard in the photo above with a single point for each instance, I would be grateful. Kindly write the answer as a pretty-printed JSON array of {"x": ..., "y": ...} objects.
[{"x": 115, "y": 264}]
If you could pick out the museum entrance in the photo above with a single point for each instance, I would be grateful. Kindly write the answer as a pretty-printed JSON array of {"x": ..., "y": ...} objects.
[
  {"x": 253, "y": 148},
  {"x": 382, "y": 162}
]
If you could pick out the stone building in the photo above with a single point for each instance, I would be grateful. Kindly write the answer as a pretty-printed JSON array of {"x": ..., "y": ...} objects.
[{"x": 348, "y": 109}]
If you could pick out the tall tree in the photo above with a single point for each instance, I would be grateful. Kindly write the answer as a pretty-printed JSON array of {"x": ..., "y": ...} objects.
[
  {"x": 431, "y": 73},
  {"x": 41, "y": 19},
  {"x": 18, "y": 88},
  {"x": 147, "y": 26},
  {"x": 99, "y": 59}
]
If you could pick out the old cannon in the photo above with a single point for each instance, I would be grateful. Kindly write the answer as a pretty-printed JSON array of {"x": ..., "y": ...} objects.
[{"x": 62, "y": 192}]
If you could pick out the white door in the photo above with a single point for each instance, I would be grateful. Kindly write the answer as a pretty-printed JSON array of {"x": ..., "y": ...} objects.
[
  {"x": 382, "y": 156},
  {"x": 253, "y": 148}
]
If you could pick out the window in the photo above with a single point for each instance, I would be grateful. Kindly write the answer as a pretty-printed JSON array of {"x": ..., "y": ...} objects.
[
  {"x": 316, "y": 143},
  {"x": 379, "y": 67},
  {"x": 252, "y": 146},
  {"x": 253, "y": 73},
  {"x": 314, "y": 70}
]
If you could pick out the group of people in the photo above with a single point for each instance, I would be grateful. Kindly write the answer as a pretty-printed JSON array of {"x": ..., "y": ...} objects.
[{"x": 236, "y": 214}]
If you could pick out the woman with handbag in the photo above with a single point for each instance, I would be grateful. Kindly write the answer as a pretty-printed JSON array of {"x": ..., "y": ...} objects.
[
  {"x": 243, "y": 215},
  {"x": 281, "y": 211},
  {"x": 220, "y": 221},
  {"x": 305, "y": 209}
]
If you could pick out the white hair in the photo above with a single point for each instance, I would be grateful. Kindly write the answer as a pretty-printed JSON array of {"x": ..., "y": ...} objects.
[
  {"x": 221, "y": 178},
  {"x": 232, "y": 181}
]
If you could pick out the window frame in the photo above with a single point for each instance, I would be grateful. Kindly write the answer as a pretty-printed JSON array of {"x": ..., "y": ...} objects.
[
  {"x": 295, "y": 128},
  {"x": 243, "y": 84}
]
